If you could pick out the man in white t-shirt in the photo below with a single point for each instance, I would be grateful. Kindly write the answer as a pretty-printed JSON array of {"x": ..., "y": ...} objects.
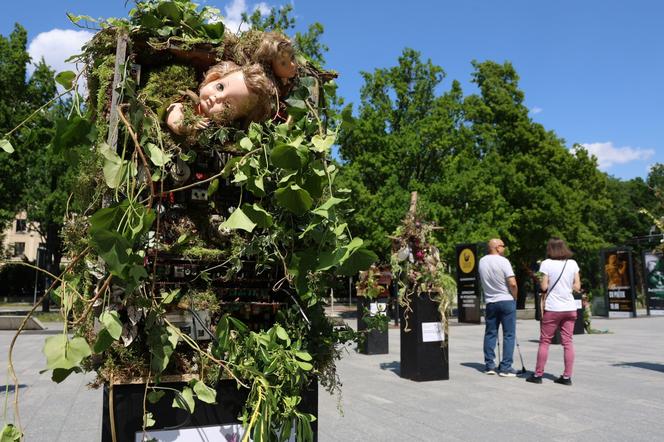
[{"x": 500, "y": 292}]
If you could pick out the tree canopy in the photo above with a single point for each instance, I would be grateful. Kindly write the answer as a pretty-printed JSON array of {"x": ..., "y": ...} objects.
[{"x": 482, "y": 166}]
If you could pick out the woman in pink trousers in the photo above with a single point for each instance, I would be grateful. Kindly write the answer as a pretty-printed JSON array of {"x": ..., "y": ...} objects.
[{"x": 560, "y": 277}]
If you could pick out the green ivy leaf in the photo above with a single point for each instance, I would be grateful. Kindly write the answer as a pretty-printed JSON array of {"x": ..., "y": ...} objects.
[
  {"x": 65, "y": 79},
  {"x": 111, "y": 322},
  {"x": 10, "y": 433},
  {"x": 77, "y": 18},
  {"x": 323, "y": 144},
  {"x": 213, "y": 187},
  {"x": 158, "y": 157},
  {"x": 324, "y": 209},
  {"x": 170, "y": 296},
  {"x": 150, "y": 21},
  {"x": 113, "y": 248},
  {"x": 103, "y": 342},
  {"x": 214, "y": 31},
  {"x": 184, "y": 400},
  {"x": 162, "y": 342},
  {"x": 155, "y": 396},
  {"x": 148, "y": 420},
  {"x": 287, "y": 157},
  {"x": 205, "y": 393},
  {"x": 359, "y": 260},
  {"x": 72, "y": 132},
  {"x": 114, "y": 167},
  {"x": 257, "y": 215},
  {"x": 62, "y": 352},
  {"x": 170, "y": 10},
  {"x": 238, "y": 220},
  {"x": 294, "y": 198},
  {"x": 246, "y": 144},
  {"x": 6, "y": 145}
]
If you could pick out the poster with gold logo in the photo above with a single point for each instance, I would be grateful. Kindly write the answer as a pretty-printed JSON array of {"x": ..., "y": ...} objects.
[
  {"x": 468, "y": 288},
  {"x": 467, "y": 260}
]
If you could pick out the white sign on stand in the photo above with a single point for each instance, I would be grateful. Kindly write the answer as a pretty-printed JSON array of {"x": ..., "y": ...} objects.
[
  {"x": 225, "y": 433},
  {"x": 432, "y": 332}
]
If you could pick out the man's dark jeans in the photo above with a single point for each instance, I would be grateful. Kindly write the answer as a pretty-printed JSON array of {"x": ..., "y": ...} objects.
[{"x": 499, "y": 313}]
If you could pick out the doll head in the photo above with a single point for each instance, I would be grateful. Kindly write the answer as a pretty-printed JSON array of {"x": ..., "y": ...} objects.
[
  {"x": 276, "y": 51},
  {"x": 231, "y": 93}
]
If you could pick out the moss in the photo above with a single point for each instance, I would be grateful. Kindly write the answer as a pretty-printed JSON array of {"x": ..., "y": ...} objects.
[
  {"x": 202, "y": 253},
  {"x": 100, "y": 84},
  {"x": 163, "y": 85}
]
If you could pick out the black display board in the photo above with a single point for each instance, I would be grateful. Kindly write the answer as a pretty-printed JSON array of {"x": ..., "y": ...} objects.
[
  {"x": 579, "y": 325},
  {"x": 423, "y": 355},
  {"x": 653, "y": 281},
  {"x": 468, "y": 284},
  {"x": 374, "y": 342},
  {"x": 618, "y": 275},
  {"x": 128, "y": 411}
]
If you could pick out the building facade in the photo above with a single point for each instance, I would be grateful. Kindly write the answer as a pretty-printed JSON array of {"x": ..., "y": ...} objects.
[{"x": 21, "y": 239}]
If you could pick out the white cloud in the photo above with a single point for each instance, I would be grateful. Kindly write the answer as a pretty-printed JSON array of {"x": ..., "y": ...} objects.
[
  {"x": 56, "y": 46},
  {"x": 263, "y": 7},
  {"x": 608, "y": 155},
  {"x": 233, "y": 14},
  {"x": 536, "y": 110}
]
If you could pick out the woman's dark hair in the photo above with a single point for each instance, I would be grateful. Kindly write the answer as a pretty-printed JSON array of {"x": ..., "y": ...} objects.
[{"x": 557, "y": 249}]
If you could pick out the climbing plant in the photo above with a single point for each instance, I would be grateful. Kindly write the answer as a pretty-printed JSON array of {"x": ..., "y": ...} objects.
[{"x": 271, "y": 212}]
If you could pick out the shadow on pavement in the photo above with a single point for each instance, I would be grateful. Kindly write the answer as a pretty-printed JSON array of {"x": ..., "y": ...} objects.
[
  {"x": 394, "y": 367},
  {"x": 646, "y": 365},
  {"x": 476, "y": 365}
]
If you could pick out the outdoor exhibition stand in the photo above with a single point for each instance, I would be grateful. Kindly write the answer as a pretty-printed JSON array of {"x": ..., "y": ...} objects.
[
  {"x": 207, "y": 422},
  {"x": 423, "y": 355},
  {"x": 123, "y": 403},
  {"x": 375, "y": 342}
]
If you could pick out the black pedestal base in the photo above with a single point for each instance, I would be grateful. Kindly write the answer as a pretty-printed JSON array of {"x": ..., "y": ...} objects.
[
  {"x": 375, "y": 342},
  {"x": 128, "y": 409},
  {"x": 422, "y": 361}
]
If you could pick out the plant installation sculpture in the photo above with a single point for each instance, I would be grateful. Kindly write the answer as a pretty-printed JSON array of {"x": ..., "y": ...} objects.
[
  {"x": 211, "y": 226},
  {"x": 418, "y": 268}
]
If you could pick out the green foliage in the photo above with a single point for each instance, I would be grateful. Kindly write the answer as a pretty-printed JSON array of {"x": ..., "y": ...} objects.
[
  {"x": 21, "y": 146},
  {"x": 287, "y": 220},
  {"x": 10, "y": 433},
  {"x": 481, "y": 166},
  {"x": 180, "y": 19},
  {"x": 165, "y": 85}
]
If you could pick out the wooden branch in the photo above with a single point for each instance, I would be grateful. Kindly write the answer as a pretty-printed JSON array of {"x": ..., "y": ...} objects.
[{"x": 413, "y": 203}]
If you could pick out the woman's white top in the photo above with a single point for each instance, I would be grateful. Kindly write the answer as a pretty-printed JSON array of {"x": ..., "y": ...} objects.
[{"x": 560, "y": 299}]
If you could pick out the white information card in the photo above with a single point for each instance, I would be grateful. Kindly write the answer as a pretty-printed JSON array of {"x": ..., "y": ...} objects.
[{"x": 432, "y": 332}]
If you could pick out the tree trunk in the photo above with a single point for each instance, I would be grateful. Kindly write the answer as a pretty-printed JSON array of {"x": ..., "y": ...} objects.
[
  {"x": 521, "y": 279},
  {"x": 53, "y": 258}
]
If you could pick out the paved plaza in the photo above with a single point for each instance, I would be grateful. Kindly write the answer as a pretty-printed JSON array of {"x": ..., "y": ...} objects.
[{"x": 618, "y": 392}]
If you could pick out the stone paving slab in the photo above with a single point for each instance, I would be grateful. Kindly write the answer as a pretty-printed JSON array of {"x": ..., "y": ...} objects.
[{"x": 618, "y": 392}]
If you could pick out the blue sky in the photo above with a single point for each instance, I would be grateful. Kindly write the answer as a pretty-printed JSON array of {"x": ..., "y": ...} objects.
[{"x": 592, "y": 70}]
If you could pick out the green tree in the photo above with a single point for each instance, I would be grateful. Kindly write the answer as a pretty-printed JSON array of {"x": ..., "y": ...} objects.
[
  {"x": 281, "y": 19},
  {"x": 38, "y": 176},
  {"x": 397, "y": 144},
  {"x": 482, "y": 167},
  {"x": 15, "y": 105},
  {"x": 549, "y": 190}
]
